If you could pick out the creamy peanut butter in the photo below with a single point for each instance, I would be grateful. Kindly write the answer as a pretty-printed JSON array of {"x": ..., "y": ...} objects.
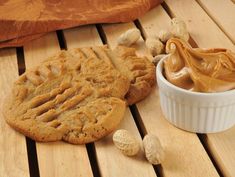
[{"x": 210, "y": 70}]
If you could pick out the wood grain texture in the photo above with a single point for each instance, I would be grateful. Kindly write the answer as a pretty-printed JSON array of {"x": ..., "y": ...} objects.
[
  {"x": 221, "y": 145},
  {"x": 200, "y": 26},
  {"x": 112, "y": 163},
  {"x": 223, "y": 13},
  {"x": 13, "y": 151},
  {"x": 185, "y": 156},
  {"x": 56, "y": 159},
  {"x": 84, "y": 36}
]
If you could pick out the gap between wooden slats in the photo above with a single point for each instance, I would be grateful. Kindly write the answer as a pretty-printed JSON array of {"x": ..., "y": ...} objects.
[
  {"x": 31, "y": 147},
  {"x": 220, "y": 146},
  {"x": 111, "y": 162},
  {"x": 140, "y": 125}
]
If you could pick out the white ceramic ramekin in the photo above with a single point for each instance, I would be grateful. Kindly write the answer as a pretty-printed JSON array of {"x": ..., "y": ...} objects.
[{"x": 194, "y": 111}]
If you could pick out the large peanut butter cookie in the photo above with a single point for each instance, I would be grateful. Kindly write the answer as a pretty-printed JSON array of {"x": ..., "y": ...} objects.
[{"x": 73, "y": 96}]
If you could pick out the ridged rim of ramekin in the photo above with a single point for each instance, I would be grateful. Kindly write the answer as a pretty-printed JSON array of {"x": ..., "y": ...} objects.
[{"x": 160, "y": 76}]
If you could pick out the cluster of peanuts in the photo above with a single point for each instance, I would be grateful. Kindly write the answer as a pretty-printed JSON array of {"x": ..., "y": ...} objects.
[
  {"x": 156, "y": 44},
  {"x": 130, "y": 146}
]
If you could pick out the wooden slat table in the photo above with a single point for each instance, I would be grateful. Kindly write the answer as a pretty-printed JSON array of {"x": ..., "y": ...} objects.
[{"x": 210, "y": 23}]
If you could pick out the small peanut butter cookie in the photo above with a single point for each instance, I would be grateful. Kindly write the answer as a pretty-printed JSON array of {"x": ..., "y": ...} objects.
[{"x": 139, "y": 70}]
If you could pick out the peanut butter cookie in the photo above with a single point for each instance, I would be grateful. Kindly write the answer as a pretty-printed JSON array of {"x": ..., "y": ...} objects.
[{"x": 72, "y": 96}]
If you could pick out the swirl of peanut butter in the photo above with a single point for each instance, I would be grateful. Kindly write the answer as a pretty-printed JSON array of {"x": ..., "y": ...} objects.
[{"x": 200, "y": 70}]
